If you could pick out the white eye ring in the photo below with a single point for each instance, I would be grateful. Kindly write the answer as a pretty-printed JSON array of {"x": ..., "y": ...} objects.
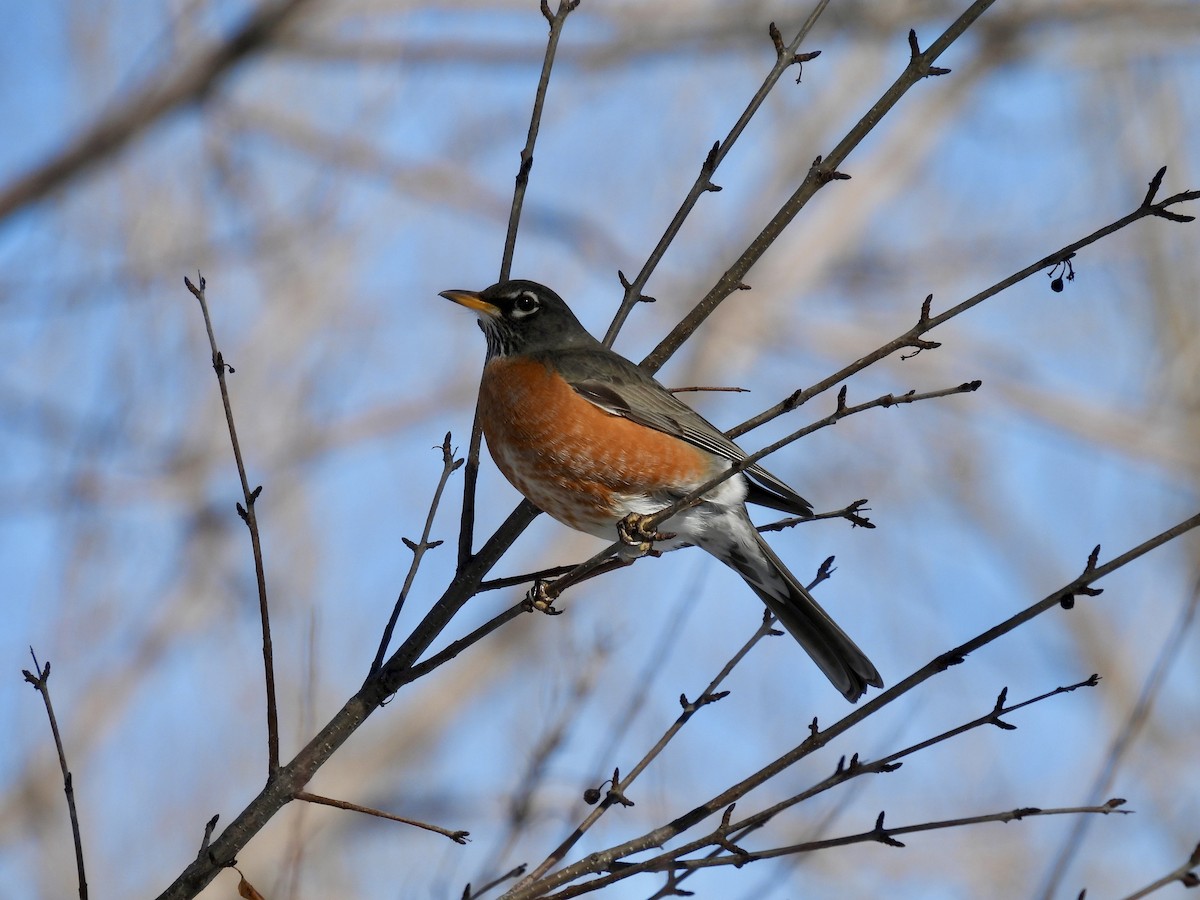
[{"x": 525, "y": 303}]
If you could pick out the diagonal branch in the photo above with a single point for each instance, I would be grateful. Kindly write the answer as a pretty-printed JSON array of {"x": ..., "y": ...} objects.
[
  {"x": 884, "y": 835},
  {"x": 854, "y": 768}
]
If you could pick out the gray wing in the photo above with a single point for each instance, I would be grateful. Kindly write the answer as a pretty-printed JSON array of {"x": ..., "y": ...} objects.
[{"x": 620, "y": 388}]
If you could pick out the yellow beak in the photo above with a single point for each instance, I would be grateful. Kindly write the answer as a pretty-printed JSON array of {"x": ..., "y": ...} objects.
[{"x": 472, "y": 300}]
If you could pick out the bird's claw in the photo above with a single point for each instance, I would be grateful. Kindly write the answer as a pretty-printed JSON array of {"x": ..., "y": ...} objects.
[
  {"x": 634, "y": 531},
  {"x": 540, "y": 599}
]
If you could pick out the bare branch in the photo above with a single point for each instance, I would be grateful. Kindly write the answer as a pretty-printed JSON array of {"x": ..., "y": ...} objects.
[
  {"x": 41, "y": 684},
  {"x": 884, "y": 835},
  {"x": 246, "y": 511},
  {"x": 459, "y": 837}
]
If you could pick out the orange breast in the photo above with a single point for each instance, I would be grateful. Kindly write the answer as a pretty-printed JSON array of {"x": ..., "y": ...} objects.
[{"x": 569, "y": 457}]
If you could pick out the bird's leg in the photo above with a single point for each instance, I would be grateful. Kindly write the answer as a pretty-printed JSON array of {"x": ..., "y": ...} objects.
[{"x": 634, "y": 531}]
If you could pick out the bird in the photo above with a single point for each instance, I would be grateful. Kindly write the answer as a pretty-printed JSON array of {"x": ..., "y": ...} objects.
[{"x": 593, "y": 440}]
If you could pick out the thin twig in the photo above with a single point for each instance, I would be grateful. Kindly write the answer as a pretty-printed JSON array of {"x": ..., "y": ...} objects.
[
  {"x": 822, "y": 171},
  {"x": 879, "y": 834},
  {"x": 41, "y": 684},
  {"x": 459, "y": 837},
  {"x": 557, "y": 20},
  {"x": 494, "y": 584},
  {"x": 884, "y": 835},
  {"x": 247, "y": 513},
  {"x": 785, "y": 57},
  {"x": 698, "y": 388},
  {"x": 449, "y": 466},
  {"x": 853, "y": 513},
  {"x": 856, "y": 768}
]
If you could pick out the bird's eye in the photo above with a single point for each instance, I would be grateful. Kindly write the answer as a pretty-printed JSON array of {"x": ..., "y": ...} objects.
[{"x": 525, "y": 303}]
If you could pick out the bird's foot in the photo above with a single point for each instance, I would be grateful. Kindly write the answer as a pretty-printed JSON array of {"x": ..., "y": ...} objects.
[
  {"x": 634, "y": 531},
  {"x": 539, "y": 598}
]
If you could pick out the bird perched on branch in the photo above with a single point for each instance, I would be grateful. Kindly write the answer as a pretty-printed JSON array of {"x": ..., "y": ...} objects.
[{"x": 594, "y": 441}]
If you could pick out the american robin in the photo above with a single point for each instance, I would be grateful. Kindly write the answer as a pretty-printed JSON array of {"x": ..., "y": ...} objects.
[{"x": 592, "y": 439}]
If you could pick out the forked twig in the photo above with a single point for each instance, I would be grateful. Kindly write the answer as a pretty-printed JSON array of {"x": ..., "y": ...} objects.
[
  {"x": 556, "y": 20},
  {"x": 855, "y": 768},
  {"x": 246, "y": 512},
  {"x": 41, "y": 684},
  {"x": 882, "y": 834}
]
